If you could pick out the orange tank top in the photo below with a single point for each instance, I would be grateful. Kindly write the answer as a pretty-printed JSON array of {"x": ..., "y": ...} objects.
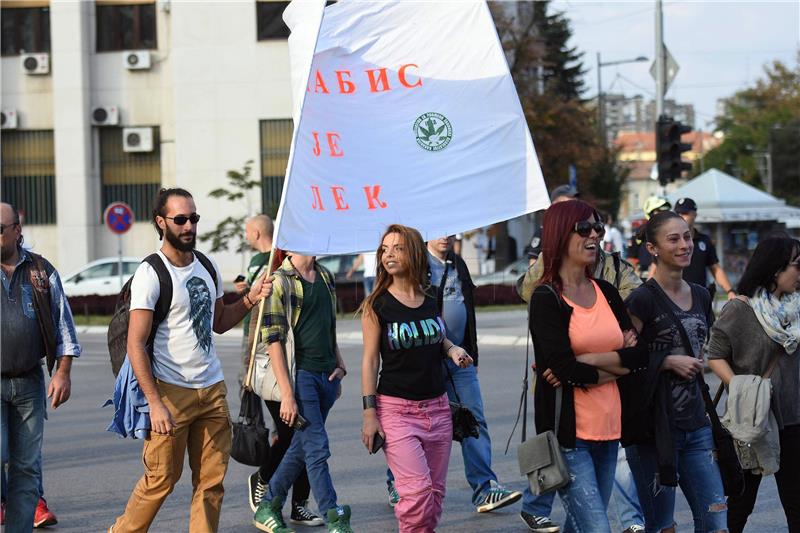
[{"x": 598, "y": 409}]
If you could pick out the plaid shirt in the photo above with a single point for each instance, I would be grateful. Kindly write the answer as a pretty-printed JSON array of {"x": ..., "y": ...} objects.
[{"x": 273, "y": 324}]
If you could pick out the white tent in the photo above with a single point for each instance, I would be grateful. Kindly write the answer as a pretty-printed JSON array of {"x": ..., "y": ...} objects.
[{"x": 723, "y": 198}]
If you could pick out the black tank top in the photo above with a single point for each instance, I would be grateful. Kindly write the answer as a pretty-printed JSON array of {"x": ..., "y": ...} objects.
[{"x": 411, "y": 348}]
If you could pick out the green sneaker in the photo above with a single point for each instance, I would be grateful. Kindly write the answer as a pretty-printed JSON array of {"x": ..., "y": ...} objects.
[
  {"x": 393, "y": 496},
  {"x": 269, "y": 518},
  {"x": 339, "y": 519}
]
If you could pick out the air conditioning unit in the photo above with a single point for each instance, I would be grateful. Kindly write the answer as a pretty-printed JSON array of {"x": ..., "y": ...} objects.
[
  {"x": 35, "y": 64},
  {"x": 137, "y": 59},
  {"x": 8, "y": 119},
  {"x": 137, "y": 139},
  {"x": 105, "y": 116}
]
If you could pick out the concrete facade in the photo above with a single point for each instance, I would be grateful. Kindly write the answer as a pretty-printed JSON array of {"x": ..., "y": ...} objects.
[{"x": 210, "y": 83}]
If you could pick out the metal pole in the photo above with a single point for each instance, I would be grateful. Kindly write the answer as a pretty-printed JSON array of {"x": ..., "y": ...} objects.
[
  {"x": 119, "y": 259},
  {"x": 601, "y": 119},
  {"x": 660, "y": 61}
]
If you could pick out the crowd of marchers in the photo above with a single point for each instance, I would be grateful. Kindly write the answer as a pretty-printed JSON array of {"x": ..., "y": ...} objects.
[{"x": 619, "y": 388}]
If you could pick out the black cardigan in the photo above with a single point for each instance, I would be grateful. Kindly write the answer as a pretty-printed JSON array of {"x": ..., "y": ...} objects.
[{"x": 549, "y": 325}]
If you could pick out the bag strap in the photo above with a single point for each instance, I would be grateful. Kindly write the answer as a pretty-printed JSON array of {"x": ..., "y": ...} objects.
[
  {"x": 617, "y": 265},
  {"x": 453, "y": 383},
  {"x": 164, "y": 301},
  {"x": 661, "y": 300},
  {"x": 440, "y": 292}
]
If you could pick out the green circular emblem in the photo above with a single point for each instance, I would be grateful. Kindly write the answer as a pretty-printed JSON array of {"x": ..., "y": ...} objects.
[{"x": 433, "y": 131}]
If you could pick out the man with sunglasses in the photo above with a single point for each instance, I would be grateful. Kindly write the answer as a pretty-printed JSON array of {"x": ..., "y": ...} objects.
[
  {"x": 37, "y": 323},
  {"x": 182, "y": 378},
  {"x": 612, "y": 268}
]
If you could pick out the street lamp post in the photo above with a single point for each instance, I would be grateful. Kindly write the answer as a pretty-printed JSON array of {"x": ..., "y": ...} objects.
[{"x": 601, "y": 112}]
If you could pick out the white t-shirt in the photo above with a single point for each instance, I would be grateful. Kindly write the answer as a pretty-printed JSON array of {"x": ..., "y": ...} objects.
[
  {"x": 183, "y": 349},
  {"x": 370, "y": 264}
]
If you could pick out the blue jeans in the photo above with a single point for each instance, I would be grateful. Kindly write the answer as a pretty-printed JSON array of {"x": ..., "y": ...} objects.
[
  {"x": 698, "y": 476},
  {"x": 624, "y": 496},
  {"x": 309, "y": 448},
  {"x": 369, "y": 284},
  {"x": 477, "y": 453},
  {"x": 22, "y": 416},
  {"x": 591, "y": 468}
]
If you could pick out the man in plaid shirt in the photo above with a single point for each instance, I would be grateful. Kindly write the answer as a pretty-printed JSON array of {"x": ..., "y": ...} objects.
[{"x": 304, "y": 290}]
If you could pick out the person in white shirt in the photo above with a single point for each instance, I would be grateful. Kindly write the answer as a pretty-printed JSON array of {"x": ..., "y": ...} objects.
[{"x": 182, "y": 381}]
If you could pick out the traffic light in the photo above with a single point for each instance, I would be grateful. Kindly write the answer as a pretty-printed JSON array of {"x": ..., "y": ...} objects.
[{"x": 669, "y": 149}]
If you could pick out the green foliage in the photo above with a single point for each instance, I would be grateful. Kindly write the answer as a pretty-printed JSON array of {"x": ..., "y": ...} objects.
[
  {"x": 763, "y": 119},
  {"x": 548, "y": 76},
  {"x": 230, "y": 231}
]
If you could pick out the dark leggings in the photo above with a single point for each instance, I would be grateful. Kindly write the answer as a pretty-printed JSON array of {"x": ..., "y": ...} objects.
[
  {"x": 301, "y": 488},
  {"x": 787, "y": 479}
]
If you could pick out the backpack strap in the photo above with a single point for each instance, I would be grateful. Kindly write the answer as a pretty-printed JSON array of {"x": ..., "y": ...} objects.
[
  {"x": 164, "y": 294},
  {"x": 617, "y": 261},
  {"x": 206, "y": 262}
]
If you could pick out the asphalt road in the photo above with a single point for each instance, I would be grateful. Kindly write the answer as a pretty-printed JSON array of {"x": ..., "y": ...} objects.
[{"x": 89, "y": 473}]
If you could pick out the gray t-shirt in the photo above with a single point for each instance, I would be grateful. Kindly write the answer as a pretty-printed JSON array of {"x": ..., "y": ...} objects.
[
  {"x": 661, "y": 333},
  {"x": 454, "y": 312}
]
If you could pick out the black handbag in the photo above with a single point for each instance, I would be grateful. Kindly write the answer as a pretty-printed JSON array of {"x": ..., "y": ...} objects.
[
  {"x": 730, "y": 468},
  {"x": 465, "y": 424},
  {"x": 250, "y": 435}
]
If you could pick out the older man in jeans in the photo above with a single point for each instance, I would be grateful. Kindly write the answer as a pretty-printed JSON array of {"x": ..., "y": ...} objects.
[{"x": 37, "y": 322}]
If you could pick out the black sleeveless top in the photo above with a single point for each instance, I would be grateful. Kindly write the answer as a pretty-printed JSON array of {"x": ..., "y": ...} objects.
[{"x": 411, "y": 348}]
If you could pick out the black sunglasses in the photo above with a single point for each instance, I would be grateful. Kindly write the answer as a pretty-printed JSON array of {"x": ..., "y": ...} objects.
[
  {"x": 180, "y": 220},
  {"x": 584, "y": 228},
  {"x": 4, "y": 226}
]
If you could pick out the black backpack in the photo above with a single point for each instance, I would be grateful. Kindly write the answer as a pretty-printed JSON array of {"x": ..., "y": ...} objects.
[{"x": 118, "y": 328}]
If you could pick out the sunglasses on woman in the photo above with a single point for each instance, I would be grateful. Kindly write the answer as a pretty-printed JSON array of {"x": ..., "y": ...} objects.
[
  {"x": 180, "y": 220},
  {"x": 584, "y": 228}
]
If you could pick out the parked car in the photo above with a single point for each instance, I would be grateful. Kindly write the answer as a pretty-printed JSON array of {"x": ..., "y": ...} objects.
[
  {"x": 349, "y": 292},
  {"x": 507, "y": 276},
  {"x": 100, "y": 277}
]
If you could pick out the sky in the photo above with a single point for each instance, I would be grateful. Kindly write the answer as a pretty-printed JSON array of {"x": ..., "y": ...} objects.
[{"x": 720, "y": 46}]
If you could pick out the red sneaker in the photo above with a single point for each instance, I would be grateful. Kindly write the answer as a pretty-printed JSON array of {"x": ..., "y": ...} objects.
[
  {"x": 43, "y": 517},
  {"x": 3, "y": 514}
]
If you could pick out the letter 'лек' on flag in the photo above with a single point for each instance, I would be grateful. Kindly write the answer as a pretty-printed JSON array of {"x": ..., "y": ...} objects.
[{"x": 404, "y": 112}]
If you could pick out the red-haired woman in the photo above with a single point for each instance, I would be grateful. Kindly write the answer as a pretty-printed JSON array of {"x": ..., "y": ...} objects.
[
  {"x": 405, "y": 336},
  {"x": 583, "y": 340}
]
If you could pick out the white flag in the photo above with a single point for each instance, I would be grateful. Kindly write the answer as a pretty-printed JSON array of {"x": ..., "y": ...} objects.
[{"x": 408, "y": 115}]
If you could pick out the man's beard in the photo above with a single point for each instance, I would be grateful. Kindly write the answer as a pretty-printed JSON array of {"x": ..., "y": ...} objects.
[{"x": 180, "y": 245}]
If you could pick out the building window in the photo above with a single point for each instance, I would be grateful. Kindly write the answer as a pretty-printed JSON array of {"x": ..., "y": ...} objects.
[
  {"x": 28, "y": 174},
  {"x": 130, "y": 177},
  {"x": 276, "y": 139},
  {"x": 126, "y": 27},
  {"x": 25, "y": 29},
  {"x": 269, "y": 20}
]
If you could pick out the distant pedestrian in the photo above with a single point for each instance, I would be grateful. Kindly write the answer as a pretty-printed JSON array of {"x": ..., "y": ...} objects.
[
  {"x": 405, "y": 337},
  {"x": 756, "y": 332},
  {"x": 182, "y": 379},
  {"x": 368, "y": 262},
  {"x": 37, "y": 323}
]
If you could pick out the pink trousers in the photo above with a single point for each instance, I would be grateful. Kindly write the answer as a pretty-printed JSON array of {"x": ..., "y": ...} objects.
[{"x": 418, "y": 441}]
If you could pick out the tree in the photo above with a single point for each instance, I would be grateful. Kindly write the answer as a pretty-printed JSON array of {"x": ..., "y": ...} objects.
[
  {"x": 230, "y": 230},
  {"x": 760, "y": 120},
  {"x": 548, "y": 75}
]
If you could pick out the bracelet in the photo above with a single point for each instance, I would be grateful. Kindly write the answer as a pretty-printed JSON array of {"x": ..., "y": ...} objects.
[
  {"x": 730, "y": 291},
  {"x": 247, "y": 297},
  {"x": 343, "y": 369},
  {"x": 369, "y": 402}
]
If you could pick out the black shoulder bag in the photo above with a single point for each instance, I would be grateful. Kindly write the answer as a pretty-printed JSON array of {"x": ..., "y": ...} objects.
[
  {"x": 250, "y": 444},
  {"x": 729, "y": 467}
]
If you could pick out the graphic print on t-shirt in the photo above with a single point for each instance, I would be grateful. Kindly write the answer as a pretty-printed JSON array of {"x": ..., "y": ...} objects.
[
  {"x": 415, "y": 333},
  {"x": 200, "y": 311}
]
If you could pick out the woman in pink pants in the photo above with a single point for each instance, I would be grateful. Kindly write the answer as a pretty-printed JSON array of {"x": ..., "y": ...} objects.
[{"x": 405, "y": 336}]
